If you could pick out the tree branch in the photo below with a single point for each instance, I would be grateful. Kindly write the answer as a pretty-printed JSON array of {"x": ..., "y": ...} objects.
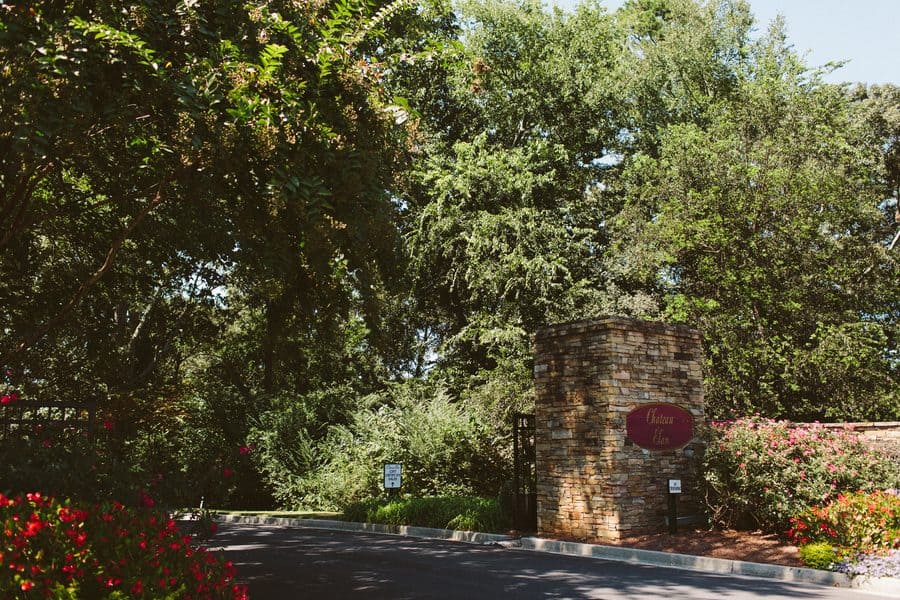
[
  {"x": 91, "y": 281},
  {"x": 18, "y": 202}
]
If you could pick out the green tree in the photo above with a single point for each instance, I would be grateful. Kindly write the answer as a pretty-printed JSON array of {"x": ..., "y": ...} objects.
[
  {"x": 500, "y": 235},
  {"x": 175, "y": 177},
  {"x": 760, "y": 224},
  {"x": 150, "y": 156}
]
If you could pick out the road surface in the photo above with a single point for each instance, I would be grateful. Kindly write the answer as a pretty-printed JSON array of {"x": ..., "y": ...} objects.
[{"x": 287, "y": 563}]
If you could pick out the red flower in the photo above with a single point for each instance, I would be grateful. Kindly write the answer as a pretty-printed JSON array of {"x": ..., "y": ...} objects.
[
  {"x": 33, "y": 527},
  {"x": 226, "y": 472}
]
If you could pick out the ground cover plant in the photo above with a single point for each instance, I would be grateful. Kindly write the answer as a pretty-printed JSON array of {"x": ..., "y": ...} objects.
[
  {"x": 59, "y": 549},
  {"x": 761, "y": 472},
  {"x": 871, "y": 565},
  {"x": 442, "y": 512}
]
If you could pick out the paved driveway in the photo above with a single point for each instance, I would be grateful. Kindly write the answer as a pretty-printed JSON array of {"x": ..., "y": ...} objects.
[{"x": 285, "y": 563}]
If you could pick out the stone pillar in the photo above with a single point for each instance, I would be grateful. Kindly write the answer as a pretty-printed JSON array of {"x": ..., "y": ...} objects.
[{"x": 592, "y": 480}]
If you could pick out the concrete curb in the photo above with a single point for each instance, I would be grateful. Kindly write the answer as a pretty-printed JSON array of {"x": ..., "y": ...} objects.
[
  {"x": 471, "y": 537},
  {"x": 687, "y": 561},
  {"x": 723, "y": 566}
]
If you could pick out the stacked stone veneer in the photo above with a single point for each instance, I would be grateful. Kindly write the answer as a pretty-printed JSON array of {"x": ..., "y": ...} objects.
[{"x": 592, "y": 482}]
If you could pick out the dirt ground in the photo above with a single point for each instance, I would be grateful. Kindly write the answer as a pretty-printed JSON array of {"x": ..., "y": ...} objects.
[{"x": 735, "y": 545}]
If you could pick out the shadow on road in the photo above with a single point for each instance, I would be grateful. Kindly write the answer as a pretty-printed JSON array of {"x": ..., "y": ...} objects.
[{"x": 286, "y": 563}]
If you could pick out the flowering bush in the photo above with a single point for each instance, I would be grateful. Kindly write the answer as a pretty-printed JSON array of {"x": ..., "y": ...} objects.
[
  {"x": 761, "y": 472},
  {"x": 52, "y": 549},
  {"x": 856, "y": 522},
  {"x": 871, "y": 565}
]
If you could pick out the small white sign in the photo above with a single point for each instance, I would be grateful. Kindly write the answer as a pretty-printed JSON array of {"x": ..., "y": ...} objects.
[
  {"x": 392, "y": 476},
  {"x": 674, "y": 486}
]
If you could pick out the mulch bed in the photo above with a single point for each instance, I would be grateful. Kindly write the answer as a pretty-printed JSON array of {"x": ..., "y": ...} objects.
[{"x": 753, "y": 546}]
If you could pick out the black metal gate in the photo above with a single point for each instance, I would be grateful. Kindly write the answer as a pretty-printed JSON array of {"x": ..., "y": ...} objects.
[{"x": 524, "y": 473}]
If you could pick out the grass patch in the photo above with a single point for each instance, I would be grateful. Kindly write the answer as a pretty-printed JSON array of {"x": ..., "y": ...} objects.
[
  {"x": 464, "y": 513},
  {"x": 285, "y": 514}
]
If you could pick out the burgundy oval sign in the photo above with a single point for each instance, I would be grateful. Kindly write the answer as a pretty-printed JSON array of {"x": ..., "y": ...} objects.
[{"x": 660, "y": 426}]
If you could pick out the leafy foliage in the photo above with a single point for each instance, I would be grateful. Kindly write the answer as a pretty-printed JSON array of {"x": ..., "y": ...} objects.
[
  {"x": 441, "y": 512},
  {"x": 858, "y": 522},
  {"x": 760, "y": 224},
  {"x": 66, "y": 550},
  {"x": 764, "y": 473},
  {"x": 226, "y": 220},
  {"x": 444, "y": 449},
  {"x": 818, "y": 555}
]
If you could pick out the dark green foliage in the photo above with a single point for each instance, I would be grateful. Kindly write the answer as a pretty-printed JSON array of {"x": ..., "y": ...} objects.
[
  {"x": 760, "y": 223},
  {"x": 67, "y": 464},
  {"x": 464, "y": 513},
  {"x": 193, "y": 217}
]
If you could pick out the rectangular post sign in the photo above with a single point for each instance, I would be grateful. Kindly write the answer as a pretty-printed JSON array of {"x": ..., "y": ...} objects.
[
  {"x": 392, "y": 476},
  {"x": 674, "y": 486}
]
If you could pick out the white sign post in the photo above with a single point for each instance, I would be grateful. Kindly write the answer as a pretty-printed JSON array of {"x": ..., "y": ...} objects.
[
  {"x": 392, "y": 476},
  {"x": 674, "y": 486}
]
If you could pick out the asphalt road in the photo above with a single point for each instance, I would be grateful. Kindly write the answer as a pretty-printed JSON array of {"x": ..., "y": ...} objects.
[{"x": 285, "y": 563}]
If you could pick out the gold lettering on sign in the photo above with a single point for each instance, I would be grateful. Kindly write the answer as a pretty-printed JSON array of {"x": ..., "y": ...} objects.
[
  {"x": 653, "y": 418},
  {"x": 660, "y": 438}
]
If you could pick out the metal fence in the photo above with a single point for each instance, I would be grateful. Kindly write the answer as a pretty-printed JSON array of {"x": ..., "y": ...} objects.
[{"x": 28, "y": 416}]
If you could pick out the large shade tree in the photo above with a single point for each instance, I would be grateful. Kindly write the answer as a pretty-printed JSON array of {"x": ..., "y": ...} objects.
[
  {"x": 760, "y": 222},
  {"x": 194, "y": 211},
  {"x": 152, "y": 154}
]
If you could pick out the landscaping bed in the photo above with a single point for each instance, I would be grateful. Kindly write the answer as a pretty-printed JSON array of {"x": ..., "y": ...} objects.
[{"x": 753, "y": 546}]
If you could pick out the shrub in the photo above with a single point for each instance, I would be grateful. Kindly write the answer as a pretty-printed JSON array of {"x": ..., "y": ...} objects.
[
  {"x": 856, "y": 522},
  {"x": 762, "y": 472},
  {"x": 443, "y": 512},
  {"x": 445, "y": 449},
  {"x": 68, "y": 463},
  {"x": 61, "y": 550},
  {"x": 818, "y": 555}
]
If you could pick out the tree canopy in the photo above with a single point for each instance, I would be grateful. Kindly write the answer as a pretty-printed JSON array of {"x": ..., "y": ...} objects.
[{"x": 278, "y": 222}]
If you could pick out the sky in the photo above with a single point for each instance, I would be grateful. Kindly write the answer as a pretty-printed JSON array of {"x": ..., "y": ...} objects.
[{"x": 865, "y": 32}]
